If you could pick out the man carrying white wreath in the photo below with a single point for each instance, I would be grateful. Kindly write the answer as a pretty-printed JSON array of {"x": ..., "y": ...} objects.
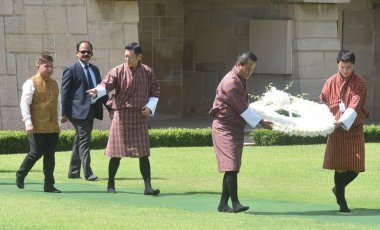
[
  {"x": 345, "y": 94},
  {"x": 231, "y": 111}
]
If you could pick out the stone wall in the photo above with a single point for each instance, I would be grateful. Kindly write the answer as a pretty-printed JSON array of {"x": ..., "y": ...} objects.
[{"x": 28, "y": 28}]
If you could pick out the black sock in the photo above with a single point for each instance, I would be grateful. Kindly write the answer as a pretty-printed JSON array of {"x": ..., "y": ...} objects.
[
  {"x": 113, "y": 166},
  {"x": 225, "y": 195},
  {"x": 145, "y": 172},
  {"x": 231, "y": 182},
  {"x": 340, "y": 184},
  {"x": 349, "y": 177}
]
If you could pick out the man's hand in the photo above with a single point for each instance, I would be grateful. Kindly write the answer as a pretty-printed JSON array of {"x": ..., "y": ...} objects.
[
  {"x": 337, "y": 124},
  {"x": 145, "y": 111},
  {"x": 92, "y": 92},
  {"x": 63, "y": 119},
  {"x": 29, "y": 130},
  {"x": 266, "y": 124}
]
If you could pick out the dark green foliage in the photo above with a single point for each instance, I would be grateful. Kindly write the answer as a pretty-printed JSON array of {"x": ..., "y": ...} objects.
[
  {"x": 17, "y": 142},
  {"x": 176, "y": 137},
  {"x": 372, "y": 133},
  {"x": 265, "y": 137},
  {"x": 13, "y": 142}
]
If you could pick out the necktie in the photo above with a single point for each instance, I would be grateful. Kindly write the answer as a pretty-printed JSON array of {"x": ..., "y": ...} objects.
[{"x": 89, "y": 80}]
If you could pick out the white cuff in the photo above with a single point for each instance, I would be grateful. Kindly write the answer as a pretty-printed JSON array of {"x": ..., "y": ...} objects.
[
  {"x": 28, "y": 122},
  {"x": 251, "y": 117},
  {"x": 152, "y": 104},
  {"x": 348, "y": 118},
  {"x": 100, "y": 92}
]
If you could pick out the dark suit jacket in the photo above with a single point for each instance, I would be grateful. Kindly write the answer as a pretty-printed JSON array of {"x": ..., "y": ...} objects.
[{"x": 75, "y": 101}]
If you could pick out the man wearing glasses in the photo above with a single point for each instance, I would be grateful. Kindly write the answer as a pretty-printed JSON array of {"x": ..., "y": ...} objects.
[{"x": 80, "y": 109}]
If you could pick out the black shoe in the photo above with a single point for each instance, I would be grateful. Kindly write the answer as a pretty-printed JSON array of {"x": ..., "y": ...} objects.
[
  {"x": 74, "y": 177},
  {"x": 92, "y": 178},
  {"x": 111, "y": 189},
  {"x": 152, "y": 192},
  {"x": 51, "y": 189},
  {"x": 239, "y": 208},
  {"x": 224, "y": 208},
  {"x": 20, "y": 182},
  {"x": 344, "y": 209}
]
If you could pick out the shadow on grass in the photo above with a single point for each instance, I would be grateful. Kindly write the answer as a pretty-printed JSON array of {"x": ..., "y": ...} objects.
[
  {"x": 190, "y": 193},
  {"x": 132, "y": 178},
  {"x": 14, "y": 171},
  {"x": 354, "y": 212},
  {"x": 15, "y": 183}
]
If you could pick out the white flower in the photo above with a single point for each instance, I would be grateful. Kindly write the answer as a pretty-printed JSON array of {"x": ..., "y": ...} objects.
[{"x": 302, "y": 117}]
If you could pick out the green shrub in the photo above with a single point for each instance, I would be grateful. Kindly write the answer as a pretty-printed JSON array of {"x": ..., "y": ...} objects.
[
  {"x": 264, "y": 137},
  {"x": 17, "y": 141}
]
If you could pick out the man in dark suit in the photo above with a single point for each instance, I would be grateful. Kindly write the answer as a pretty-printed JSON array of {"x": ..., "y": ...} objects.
[{"x": 80, "y": 109}]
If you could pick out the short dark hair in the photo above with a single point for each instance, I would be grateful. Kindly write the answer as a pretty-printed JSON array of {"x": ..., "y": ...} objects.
[
  {"x": 244, "y": 57},
  {"x": 135, "y": 47},
  {"x": 79, "y": 43},
  {"x": 346, "y": 56},
  {"x": 43, "y": 58}
]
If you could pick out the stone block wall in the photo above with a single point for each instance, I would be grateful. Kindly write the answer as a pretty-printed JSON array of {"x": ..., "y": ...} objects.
[
  {"x": 161, "y": 36},
  {"x": 28, "y": 28}
]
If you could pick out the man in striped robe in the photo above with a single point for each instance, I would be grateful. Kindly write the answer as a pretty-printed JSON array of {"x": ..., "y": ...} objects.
[
  {"x": 231, "y": 111},
  {"x": 136, "y": 92},
  {"x": 345, "y": 94}
]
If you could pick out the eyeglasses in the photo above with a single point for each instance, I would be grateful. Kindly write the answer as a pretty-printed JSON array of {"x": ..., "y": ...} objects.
[{"x": 85, "y": 52}]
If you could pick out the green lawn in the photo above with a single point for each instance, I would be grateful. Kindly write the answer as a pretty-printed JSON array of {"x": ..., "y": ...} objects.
[{"x": 285, "y": 187}]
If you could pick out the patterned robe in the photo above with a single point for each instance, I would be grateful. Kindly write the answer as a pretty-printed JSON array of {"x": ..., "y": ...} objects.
[
  {"x": 345, "y": 149},
  {"x": 129, "y": 129},
  {"x": 231, "y": 100}
]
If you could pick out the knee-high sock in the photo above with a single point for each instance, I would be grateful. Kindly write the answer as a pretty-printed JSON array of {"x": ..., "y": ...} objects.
[
  {"x": 350, "y": 176},
  {"x": 145, "y": 171},
  {"x": 339, "y": 180},
  {"x": 231, "y": 181},
  {"x": 113, "y": 166},
  {"x": 225, "y": 195}
]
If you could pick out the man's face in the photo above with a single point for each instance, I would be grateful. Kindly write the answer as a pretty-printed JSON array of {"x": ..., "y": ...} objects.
[
  {"x": 345, "y": 68},
  {"x": 246, "y": 70},
  {"x": 45, "y": 69},
  {"x": 84, "y": 52},
  {"x": 131, "y": 58}
]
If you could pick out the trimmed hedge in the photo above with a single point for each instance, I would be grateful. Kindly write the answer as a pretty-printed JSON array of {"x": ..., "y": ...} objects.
[
  {"x": 17, "y": 141},
  {"x": 264, "y": 137}
]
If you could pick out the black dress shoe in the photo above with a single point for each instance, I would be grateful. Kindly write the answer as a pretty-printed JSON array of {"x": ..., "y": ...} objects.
[
  {"x": 20, "y": 182},
  {"x": 74, "y": 177},
  {"x": 240, "y": 208},
  {"x": 111, "y": 190},
  {"x": 51, "y": 189},
  {"x": 92, "y": 178},
  {"x": 224, "y": 208},
  {"x": 152, "y": 192}
]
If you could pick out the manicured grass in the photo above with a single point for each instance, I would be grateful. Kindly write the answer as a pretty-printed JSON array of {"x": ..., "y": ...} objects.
[{"x": 285, "y": 187}]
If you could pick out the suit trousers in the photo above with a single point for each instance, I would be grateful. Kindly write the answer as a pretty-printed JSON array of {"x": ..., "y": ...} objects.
[
  {"x": 81, "y": 146},
  {"x": 41, "y": 144}
]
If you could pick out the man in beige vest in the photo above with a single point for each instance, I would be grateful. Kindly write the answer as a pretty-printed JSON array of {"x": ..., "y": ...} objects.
[{"x": 41, "y": 111}]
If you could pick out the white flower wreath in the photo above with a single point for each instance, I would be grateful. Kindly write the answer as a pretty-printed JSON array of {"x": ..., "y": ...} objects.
[{"x": 294, "y": 115}]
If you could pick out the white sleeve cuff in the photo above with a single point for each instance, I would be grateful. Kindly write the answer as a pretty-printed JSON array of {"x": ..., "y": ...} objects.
[
  {"x": 152, "y": 104},
  {"x": 251, "y": 117},
  {"x": 28, "y": 121},
  {"x": 348, "y": 118},
  {"x": 100, "y": 92}
]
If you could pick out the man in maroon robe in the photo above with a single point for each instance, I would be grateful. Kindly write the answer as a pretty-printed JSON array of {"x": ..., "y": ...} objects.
[
  {"x": 231, "y": 111},
  {"x": 345, "y": 94},
  {"x": 136, "y": 92}
]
